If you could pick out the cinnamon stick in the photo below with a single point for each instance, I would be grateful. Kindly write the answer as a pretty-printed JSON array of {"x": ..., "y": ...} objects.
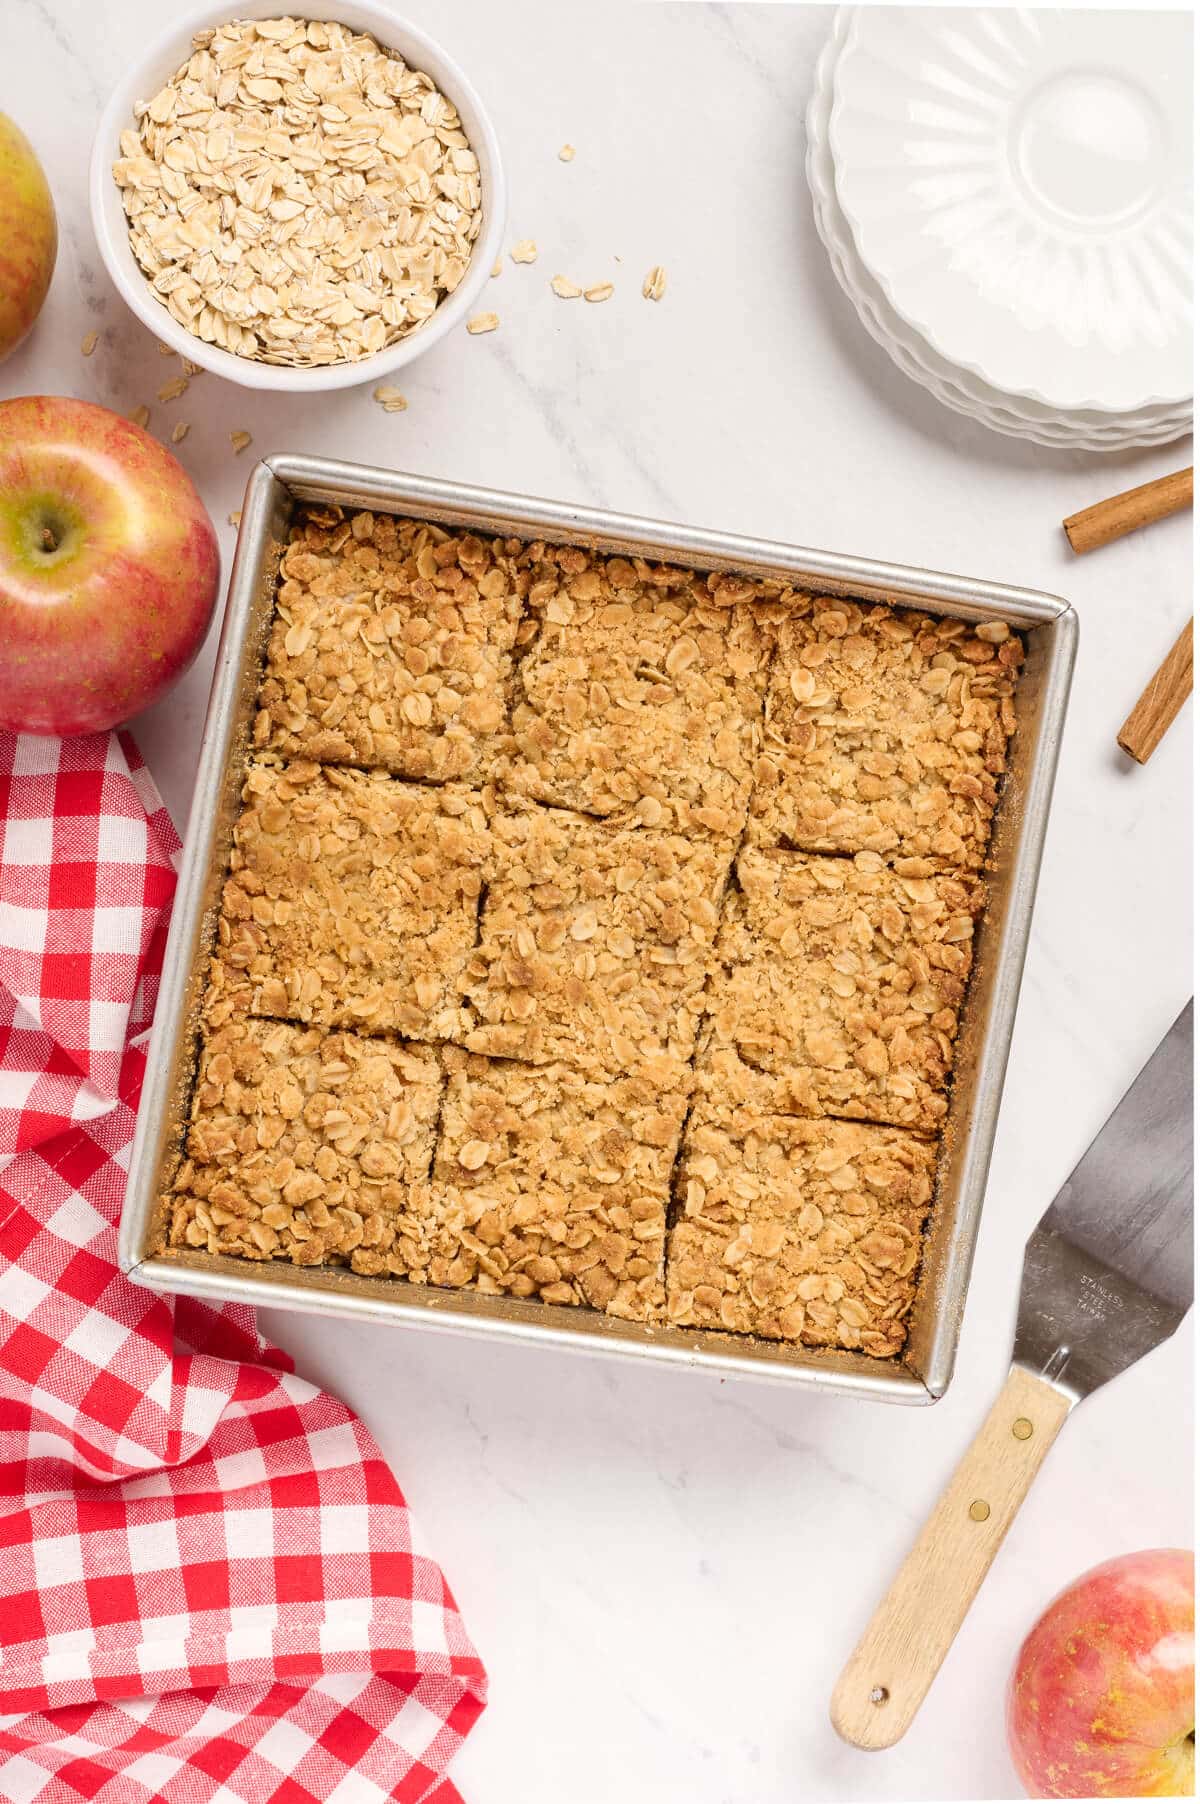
[
  {"x": 1160, "y": 700},
  {"x": 1113, "y": 518}
]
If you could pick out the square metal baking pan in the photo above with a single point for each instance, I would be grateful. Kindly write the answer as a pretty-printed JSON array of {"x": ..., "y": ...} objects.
[{"x": 922, "y": 1372}]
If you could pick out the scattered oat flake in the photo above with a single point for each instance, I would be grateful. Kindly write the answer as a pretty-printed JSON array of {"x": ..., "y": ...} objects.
[
  {"x": 239, "y": 440},
  {"x": 600, "y": 291},
  {"x": 524, "y": 252},
  {"x": 483, "y": 322},
  {"x": 567, "y": 154},
  {"x": 190, "y": 368},
  {"x": 565, "y": 289},
  {"x": 171, "y": 391},
  {"x": 164, "y": 350},
  {"x": 90, "y": 341},
  {"x": 389, "y": 398},
  {"x": 235, "y": 518},
  {"x": 655, "y": 285},
  {"x": 140, "y": 415},
  {"x": 179, "y": 431},
  {"x": 497, "y": 266}
]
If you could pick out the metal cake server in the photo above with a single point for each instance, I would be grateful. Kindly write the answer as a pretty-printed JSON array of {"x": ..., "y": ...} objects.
[{"x": 1108, "y": 1276}]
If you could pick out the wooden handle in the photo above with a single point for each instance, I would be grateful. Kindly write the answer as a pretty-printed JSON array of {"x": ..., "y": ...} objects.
[
  {"x": 1160, "y": 701},
  {"x": 1125, "y": 513},
  {"x": 884, "y": 1682}
]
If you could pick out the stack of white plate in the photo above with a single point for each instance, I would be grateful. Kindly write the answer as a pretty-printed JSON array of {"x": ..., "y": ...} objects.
[{"x": 1006, "y": 199}]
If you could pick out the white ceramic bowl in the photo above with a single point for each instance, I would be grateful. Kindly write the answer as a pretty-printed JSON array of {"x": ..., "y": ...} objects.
[{"x": 143, "y": 80}]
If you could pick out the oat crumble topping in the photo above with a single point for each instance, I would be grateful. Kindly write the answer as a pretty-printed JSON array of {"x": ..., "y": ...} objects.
[
  {"x": 595, "y": 942},
  {"x": 798, "y": 1229},
  {"x": 595, "y": 932},
  {"x": 548, "y": 1182},
  {"x": 305, "y": 1146},
  {"x": 352, "y": 898},
  {"x": 842, "y": 979},
  {"x": 885, "y": 731},
  {"x": 392, "y": 646},
  {"x": 640, "y": 699}
]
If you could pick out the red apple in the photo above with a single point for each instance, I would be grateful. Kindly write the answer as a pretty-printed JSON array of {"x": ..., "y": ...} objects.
[
  {"x": 1102, "y": 1703},
  {"x": 108, "y": 567},
  {"x": 28, "y": 236}
]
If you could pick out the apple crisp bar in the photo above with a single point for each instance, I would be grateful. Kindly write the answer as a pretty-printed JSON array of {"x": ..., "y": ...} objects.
[
  {"x": 391, "y": 646},
  {"x": 595, "y": 942},
  {"x": 352, "y": 898},
  {"x": 842, "y": 979},
  {"x": 640, "y": 698},
  {"x": 885, "y": 731},
  {"x": 798, "y": 1229},
  {"x": 306, "y": 1146},
  {"x": 595, "y": 932},
  {"x": 554, "y": 1184}
]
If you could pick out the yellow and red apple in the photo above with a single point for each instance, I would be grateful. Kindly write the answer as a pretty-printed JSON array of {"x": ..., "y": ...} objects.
[
  {"x": 28, "y": 236},
  {"x": 1102, "y": 1700},
  {"x": 108, "y": 567}
]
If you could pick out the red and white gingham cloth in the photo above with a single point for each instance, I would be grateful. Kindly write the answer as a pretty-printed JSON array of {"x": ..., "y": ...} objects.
[{"x": 210, "y": 1586}]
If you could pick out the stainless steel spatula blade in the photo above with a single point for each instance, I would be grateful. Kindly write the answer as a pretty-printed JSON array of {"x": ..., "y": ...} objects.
[
  {"x": 1108, "y": 1276},
  {"x": 1108, "y": 1269}
]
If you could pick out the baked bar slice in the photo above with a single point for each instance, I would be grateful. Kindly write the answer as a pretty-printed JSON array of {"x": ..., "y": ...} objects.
[
  {"x": 842, "y": 980},
  {"x": 797, "y": 1229},
  {"x": 391, "y": 646},
  {"x": 306, "y": 1146},
  {"x": 352, "y": 898},
  {"x": 640, "y": 698},
  {"x": 885, "y": 731},
  {"x": 595, "y": 941},
  {"x": 553, "y": 1184}
]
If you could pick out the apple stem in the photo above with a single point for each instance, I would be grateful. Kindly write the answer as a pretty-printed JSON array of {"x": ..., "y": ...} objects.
[{"x": 49, "y": 542}]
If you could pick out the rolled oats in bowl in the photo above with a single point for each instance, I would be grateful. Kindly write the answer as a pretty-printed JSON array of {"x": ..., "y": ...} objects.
[{"x": 297, "y": 194}]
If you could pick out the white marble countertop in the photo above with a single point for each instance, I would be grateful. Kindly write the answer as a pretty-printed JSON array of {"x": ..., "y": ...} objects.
[{"x": 663, "y": 1573}]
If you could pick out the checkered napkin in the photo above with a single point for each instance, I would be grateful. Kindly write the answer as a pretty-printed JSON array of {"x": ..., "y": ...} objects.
[{"x": 210, "y": 1587}]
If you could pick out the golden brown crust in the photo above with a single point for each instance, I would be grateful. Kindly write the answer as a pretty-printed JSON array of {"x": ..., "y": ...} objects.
[
  {"x": 797, "y": 1229},
  {"x": 306, "y": 1146},
  {"x": 885, "y": 731},
  {"x": 595, "y": 942},
  {"x": 391, "y": 646},
  {"x": 548, "y": 1183},
  {"x": 843, "y": 980},
  {"x": 584, "y": 741},
  {"x": 640, "y": 699},
  {"x": 352, "y": 898}
]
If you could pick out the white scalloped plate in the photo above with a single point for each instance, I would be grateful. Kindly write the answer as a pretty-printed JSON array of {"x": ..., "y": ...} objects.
[
  {"x": 1019, "y": 186},
  {"x": 955, "y": 388}
]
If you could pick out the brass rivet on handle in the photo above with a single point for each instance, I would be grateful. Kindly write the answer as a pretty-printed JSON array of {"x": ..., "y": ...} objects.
[
  {"x": 1022, "y": 1428},
  {"x": 979, "y": 1510}
]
